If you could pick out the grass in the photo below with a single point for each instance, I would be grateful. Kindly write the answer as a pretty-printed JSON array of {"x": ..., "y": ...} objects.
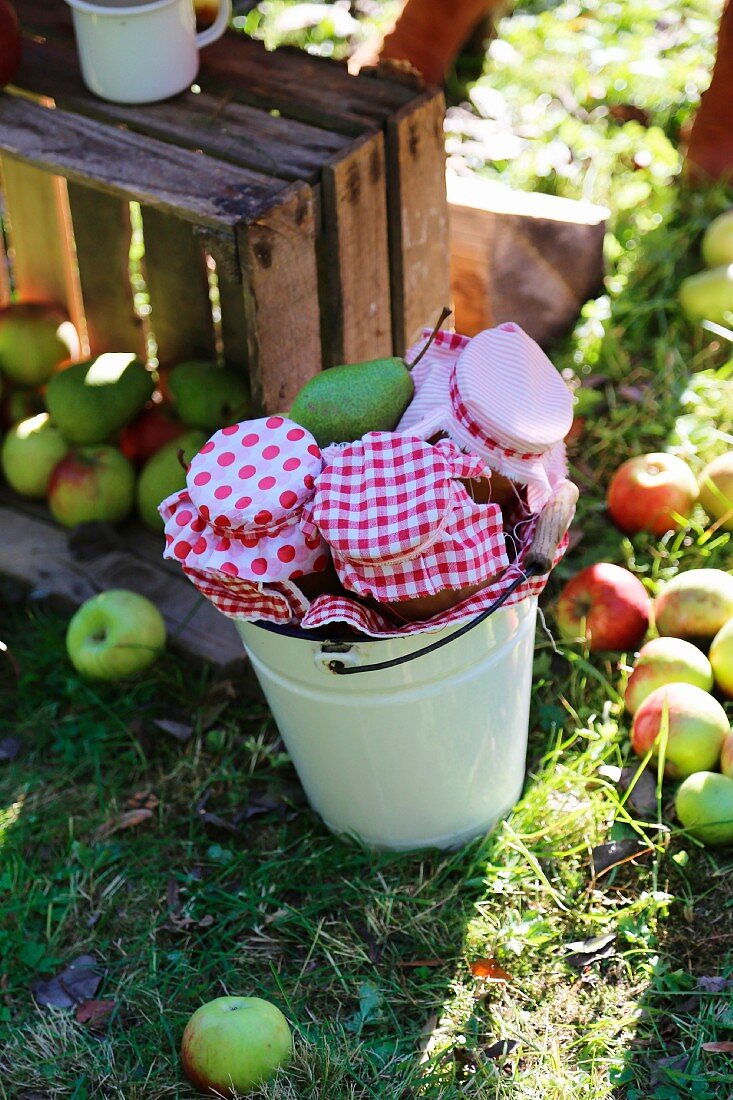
[{"x": 374, "y": 956}]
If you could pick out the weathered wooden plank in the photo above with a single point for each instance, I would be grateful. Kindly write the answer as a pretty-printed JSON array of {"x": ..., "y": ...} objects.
[
  {"x": 418, "y": 217},
  {"x": 356, "y": 310},
  {"x": 280, "y": 291},
  {"x": 4, "y": 268},
  {"x": 216, "y": 124},
  {"x": 35, "y": 552},
  {"x": 225, "y": 254},
  {"x": 191, "y": 186},
  {"x": 177, "y": 281},
  {"x": 102, "y": 237},
  {"x": 39, "y": 224}
]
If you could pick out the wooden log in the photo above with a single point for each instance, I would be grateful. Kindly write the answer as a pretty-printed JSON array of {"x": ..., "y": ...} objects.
[
  {"x": 102, "y": 238},
  {"x": 418, "y": 217},
  {"x": 177, "y": 281},
  {"x": 524, "y": 257}
]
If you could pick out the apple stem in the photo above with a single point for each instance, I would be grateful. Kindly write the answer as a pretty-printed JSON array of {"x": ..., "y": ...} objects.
[
  {"x": 182, "y": 459},
  {"x": 444, "y": 313}
]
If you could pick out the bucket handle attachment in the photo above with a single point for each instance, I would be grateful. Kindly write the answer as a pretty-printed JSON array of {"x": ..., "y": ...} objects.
[{"x": 553, "y": 522}]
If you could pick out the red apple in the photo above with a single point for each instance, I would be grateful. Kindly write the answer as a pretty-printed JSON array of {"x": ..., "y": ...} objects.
[
  {"x": 148, "y": 432},
  {"x": 606, "y": 604},
  {"x": 649, "y": 492},
  {"x": 696, "y": 728},
  {"x": 695, "y": 604},
  {"x": 92, "y": 483},
  {"x": 666, "y": 661},
  {"x": 10, "y": 42}
]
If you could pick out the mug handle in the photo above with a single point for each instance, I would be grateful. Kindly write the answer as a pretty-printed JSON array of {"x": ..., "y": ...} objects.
[{"x": 217, "y": 28}]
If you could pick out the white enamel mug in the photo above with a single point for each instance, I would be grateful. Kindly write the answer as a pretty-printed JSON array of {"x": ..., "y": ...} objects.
[{"x": 141, "y": 51}]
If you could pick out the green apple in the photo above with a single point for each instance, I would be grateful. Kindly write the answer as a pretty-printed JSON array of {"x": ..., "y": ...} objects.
[
  {"x": 29, "y": 453},
  {"x": 726, "y": 755},
  {"x": 696, "y": 728},
  {"x": 716, "y": 490},
  {"x": 207, "y": 396},
  {"x": 232, "y": 1044},
  {"x": 17, "y": 404},
  {"x": 92, "y": 483},
  {"x": 708, "y": 296},
  {"x": 721, "y": 658},
  {"x": 717, "y": 243},
  {"x": 666, "y": 661},
  {"x": 115, "y": 634},
  {"x": 695, "y": 604},
  {"x": 34, "y": 338},
  {"x": 704, "y": 805},
  {"x": 163, "y": 475},
  {"x": 92, "y": 399}
]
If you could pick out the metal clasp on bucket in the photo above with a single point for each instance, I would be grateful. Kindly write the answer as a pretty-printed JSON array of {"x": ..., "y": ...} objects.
[{"x": 324, "y": 658}]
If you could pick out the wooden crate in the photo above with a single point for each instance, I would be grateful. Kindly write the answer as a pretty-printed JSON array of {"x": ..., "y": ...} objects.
[{"x": 291, "y": 216}]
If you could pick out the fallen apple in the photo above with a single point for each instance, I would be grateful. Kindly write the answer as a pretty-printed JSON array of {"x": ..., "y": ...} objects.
[
  {"x": 10, "y": 42},
  {"x": 696, "y": 727},
  {"x": 115, "y": 634},
  {"x": 651, "y": 492},
  {"x": 704, "y": 806},
  {"x": 721, "y": 658},
  {"x": 30, "y": 451},
  {"x": 35, "y": 337},
  {"x": 695, "y": 604},
  {"x": 708, "y": 296},
  {"x": 232, "y": 1044},
  {"x": 148, "y": 432},
  {"x": 666, "y": 661},
  {"x": 716, "y": 490},
  {"x": 605, "y": 604},
  {"x": 91, "y": 483},
  {"x": 717, "y": 241}
]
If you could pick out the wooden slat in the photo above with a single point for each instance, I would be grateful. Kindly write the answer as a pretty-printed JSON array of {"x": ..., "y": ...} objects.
[
  {"x": 4, "y": 269},
  {"x": 356, "y": 310},
  {"x": 175, "y": 273},
  {"x": 40, "y": 236},
  {"x": 225, "y": 255},
  {"x": 102, "y": 236},
  {"x": 193, "y": 187},
  {"x": 277, "y": 255},
  {"x": 418, "y": 217}
]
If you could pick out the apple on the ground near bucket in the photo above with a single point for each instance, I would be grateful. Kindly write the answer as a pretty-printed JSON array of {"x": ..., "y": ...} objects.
[
  {"x": 10, "y": 42},
  {"x": 704, "y": 806},
  {"x": 695, "y": 604},
  {"x": 232, "y": 1044},
  {"x": 716, "y": 490},
  {"x": 91, "y": 483},
  {"x": 35, "y": 338},
  {"x": 115, "y": 634},
  {"x": 30, "y": 451},
  {"x": 607, "y": 605},
  {"x": 696, "y": 726},
  {"x": 721, "y": 658},
  {"x": 666, "y": 661},
  {"x": 651, "y": 492}
]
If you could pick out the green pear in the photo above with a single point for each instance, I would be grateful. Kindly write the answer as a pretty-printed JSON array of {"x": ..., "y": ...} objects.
[
  {"x": 207, "y": 396},
  {"x": 29, "y": 453},
  {"x": 704, "y": 805},
  {"x": 34, "y": 338},
  {"x": 163, "y": 475},
  {"x": 90, "y": 400},
  {"x": 708, "y": 296}
]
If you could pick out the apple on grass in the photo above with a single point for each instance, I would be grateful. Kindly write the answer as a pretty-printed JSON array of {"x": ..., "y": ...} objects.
[
  {"x": 30, "y": 451},
  {"x": 232, "y": 1044},
  {"x": 665, "y": 661},
  {"x": 695, "y": 604},
  {"x": 704, "y": 806},
  {"x": 607, "y": 605},
  {"x": 721, "y": 658},
  {"x": 92, "y": 483},
  {"x": 651, "y": 492},
  {"x": 696, "y": 727},
  {"x": 115, "y": 634}
]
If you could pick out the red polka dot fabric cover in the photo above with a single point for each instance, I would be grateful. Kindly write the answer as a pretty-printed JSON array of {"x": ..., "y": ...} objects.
[
  {"x": 239, "y": 514},
  {"x": 496, "y": 395},
  {"x": 399, "y": 523}
]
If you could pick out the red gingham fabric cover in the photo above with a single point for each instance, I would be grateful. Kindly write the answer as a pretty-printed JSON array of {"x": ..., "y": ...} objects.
[
  {"x": 281, "y": 603},
  {"x": 239, "y": 512},
  {"x": 496, "y": 395},
  {"x": 399, "y": 523}
]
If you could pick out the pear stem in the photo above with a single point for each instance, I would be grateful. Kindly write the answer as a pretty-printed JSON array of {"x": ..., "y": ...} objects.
[
  {"x": 444, "y": 313},
  {"x": 182, "y": 460}
]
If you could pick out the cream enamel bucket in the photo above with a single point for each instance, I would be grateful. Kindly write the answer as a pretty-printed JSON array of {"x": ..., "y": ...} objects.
[{"x": 427, "y": 754}]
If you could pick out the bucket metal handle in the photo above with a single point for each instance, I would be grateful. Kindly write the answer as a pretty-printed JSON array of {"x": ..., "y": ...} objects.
[{"x": 553, "y": 522}]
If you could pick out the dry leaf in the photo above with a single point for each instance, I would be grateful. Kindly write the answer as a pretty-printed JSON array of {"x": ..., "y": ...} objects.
[
  {"x": 489, "y": 970},
  {"x": 583, "y": 953},
  {"x": 180, "y": 730},
  {"x": 724, "y": 1047},
  {"x": 10, "y": 748},
  {"x": 147, "y": 799},
  {"x": 74, "y": 984},
  {"x": 411, "y": 964},
  {"x": 95, "y": 1013},
  {"x": 607, "y": 856},
  {"x": 502, "y": 1048},
  {"x": 128, "y": 820}
]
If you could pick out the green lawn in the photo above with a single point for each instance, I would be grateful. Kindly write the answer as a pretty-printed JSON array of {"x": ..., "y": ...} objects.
[{"x": 231, "y": 885}]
